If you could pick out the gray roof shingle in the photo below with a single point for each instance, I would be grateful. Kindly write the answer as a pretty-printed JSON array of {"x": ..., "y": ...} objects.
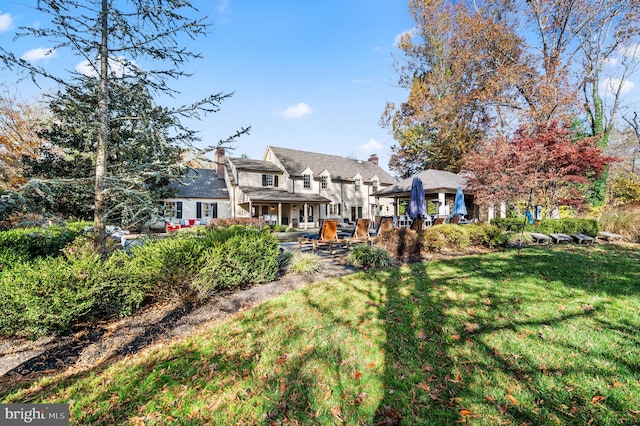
[
  {"x": 340, "y": 168},
  {"x": 201, "y": 183},
  {"x": 432, "y": 180},
  {"x": 255, "y": 165}
]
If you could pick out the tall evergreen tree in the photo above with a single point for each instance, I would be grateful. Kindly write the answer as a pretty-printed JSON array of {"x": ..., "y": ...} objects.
[{"x": 115, "y": 38}]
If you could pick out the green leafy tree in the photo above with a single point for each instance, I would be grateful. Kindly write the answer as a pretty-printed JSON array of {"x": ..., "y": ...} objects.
[
  {"x": 143, "y": 40},
  {"x": 483, "y": 68}
]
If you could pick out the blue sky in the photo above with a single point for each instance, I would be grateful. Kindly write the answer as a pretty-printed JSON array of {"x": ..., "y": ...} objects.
[{"x": 306, "y": 75}]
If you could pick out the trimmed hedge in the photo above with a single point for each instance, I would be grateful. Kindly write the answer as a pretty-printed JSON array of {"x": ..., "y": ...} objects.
[
  {"x": 49, "y": 295},
  {"x": 568, "y": 226},
  {"x": 40, "y": 242}
]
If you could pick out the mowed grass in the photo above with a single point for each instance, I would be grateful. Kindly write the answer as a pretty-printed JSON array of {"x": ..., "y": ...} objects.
[{"x": 550, "y": 336}]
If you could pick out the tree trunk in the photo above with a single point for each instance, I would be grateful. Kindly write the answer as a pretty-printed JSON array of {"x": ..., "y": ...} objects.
[{"x": 101, "y": 151}]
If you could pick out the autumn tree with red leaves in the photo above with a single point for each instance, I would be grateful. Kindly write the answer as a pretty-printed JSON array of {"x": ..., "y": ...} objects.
[{"x": 544, "y": 162}]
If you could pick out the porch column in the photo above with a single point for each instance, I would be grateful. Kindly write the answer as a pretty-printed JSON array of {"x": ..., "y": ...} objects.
[
  {"x": 305, "y": 215},
  {"x": 250, "y": 210},
  {"x": 442, "y": 201},
  {"x": 279, "y": 213}
]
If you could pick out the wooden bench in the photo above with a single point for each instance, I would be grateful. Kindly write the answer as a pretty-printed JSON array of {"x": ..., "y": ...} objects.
[
  {"x": 609, "y": 236},
  {"x": 582, "y": 238},
  {"x": 540, "y": 238},
  {"x": 560, "y": 238}
]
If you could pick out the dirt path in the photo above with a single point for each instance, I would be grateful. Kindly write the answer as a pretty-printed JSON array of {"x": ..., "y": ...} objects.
[{"x": 91, "y": 345}]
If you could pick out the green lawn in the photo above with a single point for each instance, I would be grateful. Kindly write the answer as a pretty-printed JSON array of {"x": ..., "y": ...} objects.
[{"x": 548, "y": 337}]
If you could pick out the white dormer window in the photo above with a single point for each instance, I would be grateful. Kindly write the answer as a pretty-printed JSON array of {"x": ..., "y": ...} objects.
[
  {"x": 374, "y": 186},
  {"x": 324, "y": 182},
  {"x": 358, "y": 184},
  {"x": 307, "y": 181}
]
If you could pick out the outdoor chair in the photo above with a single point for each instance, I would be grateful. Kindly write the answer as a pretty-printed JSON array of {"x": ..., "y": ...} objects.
[
  {"x": 439, "y": 220},
  {"x": 327, "y": 235},
  {"x": 385, "y": 225},
  {"x": 360, "y": 233}
]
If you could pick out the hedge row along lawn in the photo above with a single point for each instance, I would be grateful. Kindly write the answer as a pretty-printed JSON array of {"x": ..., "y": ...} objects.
[{"x": 547, "y": 337}]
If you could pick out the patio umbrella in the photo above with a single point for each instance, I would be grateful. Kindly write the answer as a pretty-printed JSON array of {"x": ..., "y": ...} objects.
[
  {"x": 459, "y": 208},
  {"x": 417, "y": 205}
]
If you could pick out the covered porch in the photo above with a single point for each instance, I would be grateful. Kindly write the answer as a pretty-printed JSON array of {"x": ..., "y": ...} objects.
[
  {"x": 440, "y": 190},
  {"x": 280, "y": 207}
]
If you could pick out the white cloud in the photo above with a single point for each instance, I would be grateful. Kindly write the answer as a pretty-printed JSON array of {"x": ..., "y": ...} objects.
[
  {"x": 38, "y": 54},
  {"x": 295, "y": 111},
  {"x": 410, "y": 32},
  {"x": 632, "y": 50},
  {"x": 609, "y": 86},
  {"x": 117, "y": 66},
  {"x": 371, "y": 146},
  {"x": 6, "y": 22}
]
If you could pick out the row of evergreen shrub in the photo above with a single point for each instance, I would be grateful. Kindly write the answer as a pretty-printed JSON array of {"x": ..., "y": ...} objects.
[
  {"x": 38, "y": 241},
  {"x": 49, "y": 295},
  {"x": 568, "y": 226}
]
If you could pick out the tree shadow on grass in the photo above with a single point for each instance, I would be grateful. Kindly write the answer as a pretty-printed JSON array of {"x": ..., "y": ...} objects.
[{"x": 466, "y": 343}]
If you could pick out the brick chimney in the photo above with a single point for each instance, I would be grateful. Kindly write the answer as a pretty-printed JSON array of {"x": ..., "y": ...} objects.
[
  {"x": 374, "y": 159},
  {"x": 219, "y": 161}
]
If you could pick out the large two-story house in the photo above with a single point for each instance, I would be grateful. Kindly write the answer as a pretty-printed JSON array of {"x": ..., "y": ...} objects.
[{"x": 291, "y": 187}]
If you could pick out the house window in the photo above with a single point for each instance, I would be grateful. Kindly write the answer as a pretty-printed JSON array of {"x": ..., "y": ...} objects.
[
  {"x": 334, "y": 209},
  {"x": 270, "y": 180},
  {"x": 374, "y": 186},
  {"x": 324, "y": 182},
  {"x": 173, "y": 209},
  {"x": 357, "y": 184},
  {"x": 206, "y": 210},
  {"x": 307, "y": 181}
]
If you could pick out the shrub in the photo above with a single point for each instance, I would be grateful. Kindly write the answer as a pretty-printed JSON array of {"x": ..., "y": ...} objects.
[
  {"x": 305, "y": 263},
  {"x": 249, "y": 257},
  {"x": 40, "y": 242},
  {"x": 47, "y": 295},
  {"x": 369, "y": 257},
  {"x": 457, "y": 236},
  {"x": 433, "y": 240},
  {"x": 550, "y": 226}
]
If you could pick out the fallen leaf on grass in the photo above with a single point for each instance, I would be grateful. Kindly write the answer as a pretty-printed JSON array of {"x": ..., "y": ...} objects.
[
  {"x": 513, "y": 400},
  {"x": 336, "y": 412},
  {"x": 371, "y": 365},
  {"x": 137, "y": 421},
  {"x": 424, "y": 386},
  {"x": 471, "y": 327},
  {"x": 326, "y": 395},
  {"x": 465, "y": 413},
  {"x": 596, "y": 399}
]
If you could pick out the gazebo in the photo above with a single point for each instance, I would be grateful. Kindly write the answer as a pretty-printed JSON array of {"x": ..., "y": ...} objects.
[{"x": 439, "y": 188}]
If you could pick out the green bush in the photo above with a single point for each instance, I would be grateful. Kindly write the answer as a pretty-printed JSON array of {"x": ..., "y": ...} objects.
[
  {"x": 9, "y": 258},
  {"x": 249, "y": 257},
  {"x": 47, "y": 295},
  {"x": 39, "y": 241},
  {"x": 457, "y": 236},
  {"x": 550, "y": 226},
  {"x": 369, "y": 257}
]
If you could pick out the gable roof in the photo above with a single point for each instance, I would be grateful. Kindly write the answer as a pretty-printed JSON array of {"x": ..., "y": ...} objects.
[
  {"x": 432, "y": 181},
  {"x": 254, "y": 165},
  {"x": 340, "y": 168},
  {"x": 201, "y": 183}
]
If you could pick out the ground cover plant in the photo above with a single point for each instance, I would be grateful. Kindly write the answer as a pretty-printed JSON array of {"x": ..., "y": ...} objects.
[{"x": 549, "y": 336}]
